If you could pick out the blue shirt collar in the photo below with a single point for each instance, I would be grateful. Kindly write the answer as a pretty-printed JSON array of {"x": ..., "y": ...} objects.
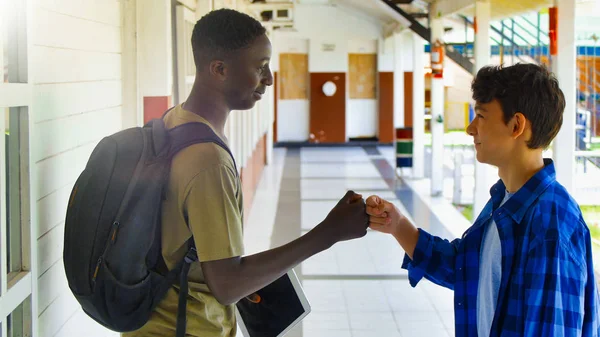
[{"x": 520, "y": 202}]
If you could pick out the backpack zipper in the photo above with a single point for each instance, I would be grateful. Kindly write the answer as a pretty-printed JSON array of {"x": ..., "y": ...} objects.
[
  {"x": 115, "y": 229},
  {"x": 109, "y": 242},
  {"x": 96, "y": 270}
]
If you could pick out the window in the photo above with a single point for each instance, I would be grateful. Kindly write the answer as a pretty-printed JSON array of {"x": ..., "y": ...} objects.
[
  {"x": 18, "y": 323},
  {"x": 16, "y": 278},
  {"x": 16, "y": 224}
]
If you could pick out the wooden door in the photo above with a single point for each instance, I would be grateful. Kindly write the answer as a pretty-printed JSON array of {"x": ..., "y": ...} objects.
[{"x": 327, "y": 113}]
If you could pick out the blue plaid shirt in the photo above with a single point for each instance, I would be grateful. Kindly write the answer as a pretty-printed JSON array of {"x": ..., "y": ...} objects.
[{"x": 547, "y": 287}]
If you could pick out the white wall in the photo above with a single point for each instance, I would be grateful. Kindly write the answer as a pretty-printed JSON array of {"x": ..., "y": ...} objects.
[
  {"x": 293, "y": 118},
  {"x": 76, "y": 101},
  {"x": 323, "y": 24},
  {"x": 155, "y": 55},
  {"x": 362, "y": 118},
  {"x": 320, "y": 25}
]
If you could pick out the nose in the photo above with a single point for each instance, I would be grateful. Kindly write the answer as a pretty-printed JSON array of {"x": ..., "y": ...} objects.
[
  {"x": 471, "y": 130},
  {"x": 268, "y": 78}
]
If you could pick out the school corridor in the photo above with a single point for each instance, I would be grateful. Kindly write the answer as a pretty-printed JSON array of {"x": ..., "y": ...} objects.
[
  {"x": 357, "y": 288},
  {"x": 368, "y": 95}
]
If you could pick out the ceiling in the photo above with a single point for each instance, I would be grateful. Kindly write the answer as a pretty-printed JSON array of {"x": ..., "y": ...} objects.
[
  {"x": 501, "y": 9},
  {"x": 504, "y": 9}
]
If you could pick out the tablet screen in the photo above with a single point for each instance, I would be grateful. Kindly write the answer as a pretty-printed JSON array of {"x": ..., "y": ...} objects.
[{"x": 279, "y": 307}]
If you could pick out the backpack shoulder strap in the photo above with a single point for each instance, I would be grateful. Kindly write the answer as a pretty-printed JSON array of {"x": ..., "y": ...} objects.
[
  {"x": 188, "y": 134},
  {"x": 181, "y": 137}
]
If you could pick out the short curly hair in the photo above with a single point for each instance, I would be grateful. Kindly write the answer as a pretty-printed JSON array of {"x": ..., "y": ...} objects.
[
  {"x": 526, "y": 88},
  {"x": 221, "y": 32}
]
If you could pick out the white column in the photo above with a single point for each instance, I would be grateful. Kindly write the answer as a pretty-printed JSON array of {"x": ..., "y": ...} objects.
[
  {"x": 155, "y": 49},
  {"x": 564, "y": 143},
  {"x": 267, "y": 123},
  {"x": 418, "y": 106},
  {"x": 437, "y": 111},
  {"x": 131, "y": 110},
  {"x": 485, "y": 175},
  {"x": 398, "y": 80}
]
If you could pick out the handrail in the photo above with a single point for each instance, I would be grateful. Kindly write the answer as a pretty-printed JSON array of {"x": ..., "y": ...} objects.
[
  {"x": 535, "y": 26},
  {"x": 525, "y": 29},
  {"x": 513, "y": 34}
]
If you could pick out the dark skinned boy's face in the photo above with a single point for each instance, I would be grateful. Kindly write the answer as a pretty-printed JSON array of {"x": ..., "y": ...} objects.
[{"x": 248, "y": 75}]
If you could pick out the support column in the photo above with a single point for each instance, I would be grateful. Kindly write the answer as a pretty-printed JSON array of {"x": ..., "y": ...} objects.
[
  {"x": 437, "y": 115},
  {"x": 418, "y": 106},
  {"x": 398, "y": 80},
  {"x": 131, "y": 111},
  {"x": 565, "y": 70},
  {"x": 155, "y": 52},
  {"x": 485, "y": 175}
]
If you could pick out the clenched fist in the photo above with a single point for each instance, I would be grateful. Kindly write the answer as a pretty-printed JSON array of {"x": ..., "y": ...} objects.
[{"x": 347, "y": 220}]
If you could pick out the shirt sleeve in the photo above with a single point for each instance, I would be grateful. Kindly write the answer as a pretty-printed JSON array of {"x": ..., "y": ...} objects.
[
  {"x": 214, "y": 215},
  {"x": 434, "y": 258},
  {"x": 561, "y": 297}
]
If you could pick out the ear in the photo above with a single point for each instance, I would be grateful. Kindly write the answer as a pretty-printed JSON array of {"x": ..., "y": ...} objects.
[
  {"x": 218, "y": 69},
  {"x": 518, "y": 125}
]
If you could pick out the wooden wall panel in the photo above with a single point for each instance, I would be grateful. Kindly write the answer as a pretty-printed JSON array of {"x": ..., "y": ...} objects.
[
  {"x": 362, "y": 75},
  {"x": 408, "y": 99},
  {"x": 386, "y": 107},
  {"x": 328, "y": 113},
  {"x": 251, "y": 174},
  {"x": 293, "y": 70}
]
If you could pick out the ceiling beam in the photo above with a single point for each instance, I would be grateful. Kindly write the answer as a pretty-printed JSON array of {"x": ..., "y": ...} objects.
[
  {"x": 395, "y": 12},
  {"x": 441, "y": 8},
  {"x": 419, "y": 15}
]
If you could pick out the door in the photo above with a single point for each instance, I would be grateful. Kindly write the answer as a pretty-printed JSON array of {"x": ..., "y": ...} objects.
[{"x": 327, "y": 113}]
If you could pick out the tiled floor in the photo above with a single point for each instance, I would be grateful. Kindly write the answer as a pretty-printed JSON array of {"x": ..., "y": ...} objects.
[{"x": 356, "y": 288}]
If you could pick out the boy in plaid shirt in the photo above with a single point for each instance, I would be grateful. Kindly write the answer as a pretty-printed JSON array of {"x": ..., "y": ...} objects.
[{"x": 525, "y": 266}]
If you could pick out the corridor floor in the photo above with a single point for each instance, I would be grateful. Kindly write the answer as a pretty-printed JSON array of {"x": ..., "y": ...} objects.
[{"x": 357, "y": 288}]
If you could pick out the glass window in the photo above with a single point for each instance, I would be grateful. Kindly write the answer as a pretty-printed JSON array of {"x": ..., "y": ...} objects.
[
  {"x": 19, "y": 321},
  {"x": 13, "y": 152}
]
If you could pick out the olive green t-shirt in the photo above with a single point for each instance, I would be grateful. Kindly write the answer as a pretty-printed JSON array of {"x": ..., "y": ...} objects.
[{"x": 204, "y": 189}]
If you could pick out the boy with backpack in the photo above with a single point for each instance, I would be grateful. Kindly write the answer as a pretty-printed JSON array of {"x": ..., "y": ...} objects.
[
  {"x": 525, "y": 267},
  {"x": 172, "y": 199}
]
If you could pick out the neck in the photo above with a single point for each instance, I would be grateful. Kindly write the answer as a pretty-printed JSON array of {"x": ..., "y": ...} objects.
[
  {"x": 520, "y": 169},
  {"x": 209, "y": 104}
]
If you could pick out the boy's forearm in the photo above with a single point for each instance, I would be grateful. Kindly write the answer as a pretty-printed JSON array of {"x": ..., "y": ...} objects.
[
  {"x": 407, "y": 236},
  {"x": 239, "y": 277}
]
